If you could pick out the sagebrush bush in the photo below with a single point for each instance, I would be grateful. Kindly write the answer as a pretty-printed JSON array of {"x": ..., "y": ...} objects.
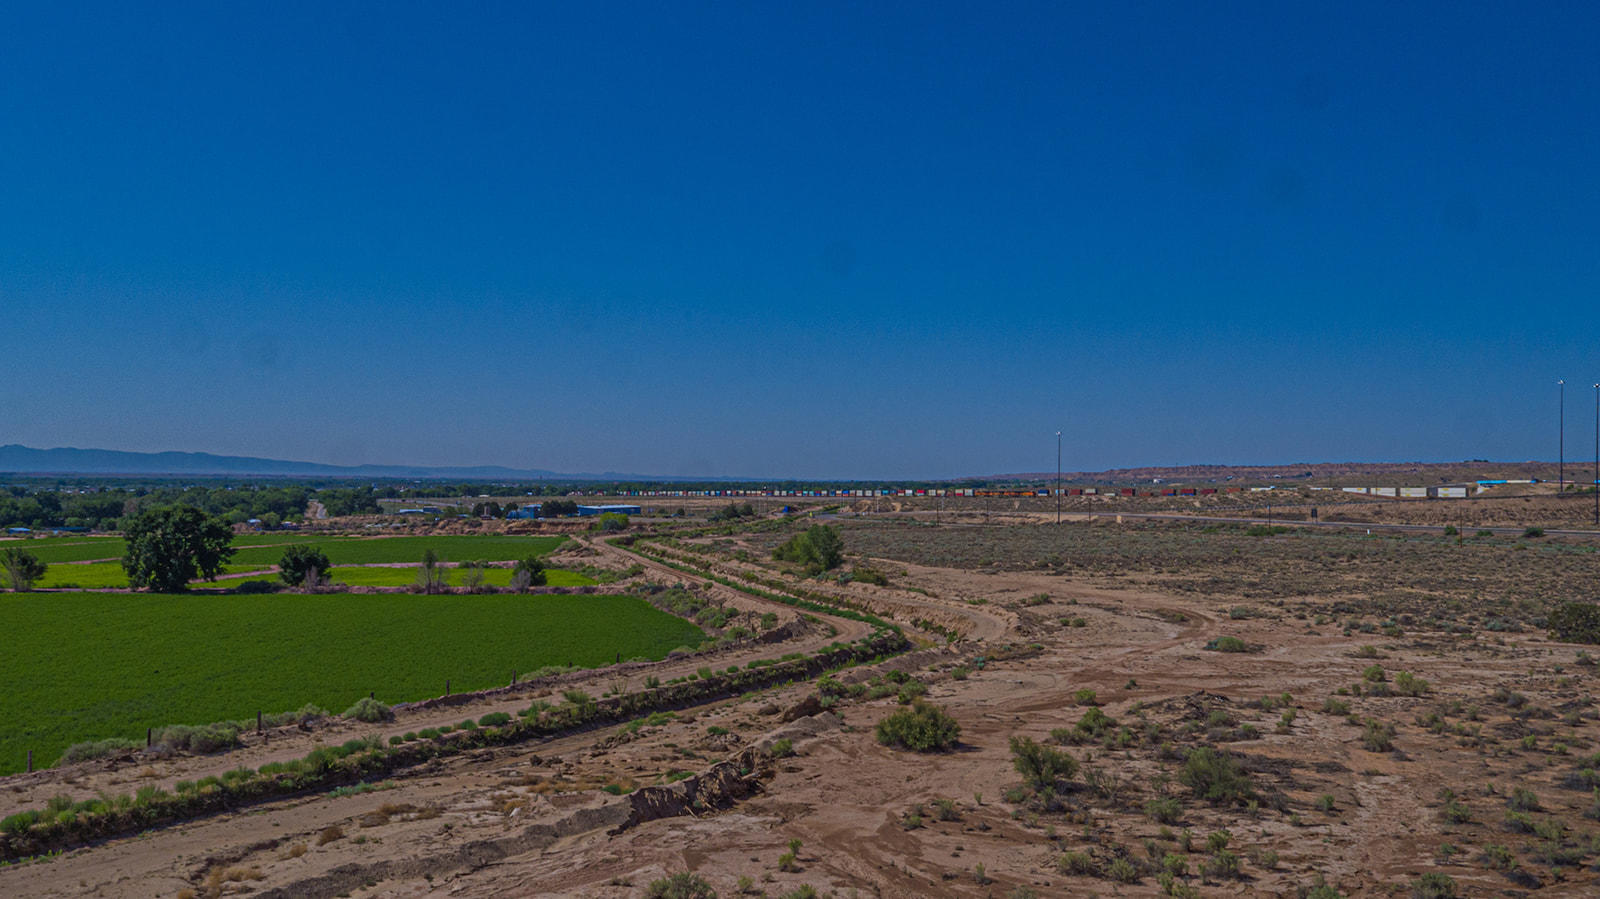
[
  {"x": 94, "y": 749},
  {"x": 1041, "y": 767},
  {"x": 923, "y": 727},
  {"x": 1575, "y": 622},
  {"x": 1215, "y": 777},
  {"x": 683, "y": 885},
  {"x": 369, "y": 710}
]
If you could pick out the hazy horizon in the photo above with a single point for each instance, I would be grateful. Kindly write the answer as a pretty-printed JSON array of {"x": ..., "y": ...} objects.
[{"x": 909, "y": 242}]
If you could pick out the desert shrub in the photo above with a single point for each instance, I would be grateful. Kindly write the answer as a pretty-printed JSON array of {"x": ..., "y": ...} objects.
[
  {"x": 94, "y": 749},
  {"x": 495, "y": 719},
  {"x": 1122, "y": 871},
  {"x": 1374, "y": 674},
  {"x": 1085, "y": 696},
  {"x": 923, "y": 727},
  {"x": 1575, "y": 622},
  {"x": 1041, "y": 767},
  {"x": 782, "y": 748},
  {"x": 206, "y": 738},
  {"x": 1377, "y": 736},
  {"x": 1533, "y": 532},
  {"x": 1165, "y": 810},
  {"x": 1433, "y": 885},
  {"x": 1215, "y": 777},
  {"x": 1227, "y": 644},
  {"x": 369, "y": 710},
  {"x": 1523, "y": 799},
  {"x": 1408, "y": 684},
  {"x": 1079, "y": 863},
  {"x": 869, "y": 576}
]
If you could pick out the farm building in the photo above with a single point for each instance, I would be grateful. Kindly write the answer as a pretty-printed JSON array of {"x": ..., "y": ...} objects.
[{"x": 601, "y": 510}]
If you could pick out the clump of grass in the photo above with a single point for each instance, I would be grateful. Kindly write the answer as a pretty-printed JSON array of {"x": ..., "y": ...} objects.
[
  {"x": 330, "y": 834},
  {"x": 1227, "y": 644}
]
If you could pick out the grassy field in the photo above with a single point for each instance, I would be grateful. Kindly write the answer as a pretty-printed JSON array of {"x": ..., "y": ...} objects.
[{"x": 87, "y": 666}]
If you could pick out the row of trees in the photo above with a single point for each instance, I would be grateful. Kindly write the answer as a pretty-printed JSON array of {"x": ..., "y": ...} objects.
[{"x": 114, "y": 508}]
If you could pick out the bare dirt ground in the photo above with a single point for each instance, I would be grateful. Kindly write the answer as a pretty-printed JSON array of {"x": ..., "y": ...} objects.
[{"x": 1485, "y": 778}]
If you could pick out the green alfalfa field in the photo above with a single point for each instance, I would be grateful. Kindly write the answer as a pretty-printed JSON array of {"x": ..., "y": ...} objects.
[{"x": 92, "y": 666}]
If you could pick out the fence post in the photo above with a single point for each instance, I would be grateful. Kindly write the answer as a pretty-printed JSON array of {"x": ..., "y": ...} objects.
[
  {"x": 258, "y": 722},
  {"x": 149, "y": 736},
  {"x": 447, "y": 688},
  {"x": 30, "y": 761}
]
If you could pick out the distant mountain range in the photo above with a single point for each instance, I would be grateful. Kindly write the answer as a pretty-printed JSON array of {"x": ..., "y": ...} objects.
[{"x": 18, "y": 459}]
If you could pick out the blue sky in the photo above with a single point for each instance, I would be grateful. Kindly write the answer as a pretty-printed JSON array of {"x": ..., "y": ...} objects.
[{"x": 810, "y": 240}]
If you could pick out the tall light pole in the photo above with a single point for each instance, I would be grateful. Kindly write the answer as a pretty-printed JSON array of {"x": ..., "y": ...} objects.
[
  {"x": 1561, "y": 463},
  {"x": 1597, "y": 454},
  {"x": 1058, "y": 463}
]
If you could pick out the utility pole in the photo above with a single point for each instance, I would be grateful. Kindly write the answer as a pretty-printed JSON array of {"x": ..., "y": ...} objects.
[
  {"x": 1597, "y": 455},
  {"x": 1561, "y": 463},
  {"x": 1058, "y": 476}
]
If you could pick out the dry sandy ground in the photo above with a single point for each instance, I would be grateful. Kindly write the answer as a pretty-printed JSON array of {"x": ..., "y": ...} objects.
[{"x": 531, "y": 820}]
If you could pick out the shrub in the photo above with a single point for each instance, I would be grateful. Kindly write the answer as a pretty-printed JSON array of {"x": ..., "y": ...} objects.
[
  {"x": 1433, "y": 885},
  {"x": 1378, "y": 736},
  {"x": 369, "y": 710},
  {"x": 921, "y": 728},
  {"x": 495, "y": 719},
  {"x": 1085, "y": 696},
  {"x": 681, "y": 886},
  {"x": 867, "y": 575},
  {"x": 1080, "y": 863},
  {"x": 1575, "y": 622},
  {"x": 1041, "y": 767},
  {"x": 304, "y": 565},
  {"x": 1532, "y": 532},
  {"x": 1227, "y": 644},
  {"x": 208, "y": 738},
  {"x": 1215, "y": 777},
  {"x": 21, "y": 568},
  {"x": 782, "y": 748},
  {"x": 1408, "y": 684},
  {"x": 94, "y": 749},
  {"x": 817, "y": 549},
  {"x": 1164, "y": 811}
]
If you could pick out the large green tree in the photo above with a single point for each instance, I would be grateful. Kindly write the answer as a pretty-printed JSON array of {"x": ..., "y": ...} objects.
[{"x": 172, "y": 545}]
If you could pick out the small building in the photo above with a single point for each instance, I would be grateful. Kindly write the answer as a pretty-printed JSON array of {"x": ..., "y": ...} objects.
[{"x": 602, "y": 510}]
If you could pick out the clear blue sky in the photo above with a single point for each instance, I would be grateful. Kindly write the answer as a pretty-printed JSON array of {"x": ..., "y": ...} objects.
[{"x": 875, "y": 240}]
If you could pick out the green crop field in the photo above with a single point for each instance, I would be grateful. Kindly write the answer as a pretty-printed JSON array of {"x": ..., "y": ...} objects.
[
  {"x": 83, "y": 666},
  {"x": 367, "y": 551},
  {"x": 61, "y": 553},
  {"x": 70, "y": 549},
  {"x": 100, "y": 575},
  {"x": 384, "y": 576}
]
